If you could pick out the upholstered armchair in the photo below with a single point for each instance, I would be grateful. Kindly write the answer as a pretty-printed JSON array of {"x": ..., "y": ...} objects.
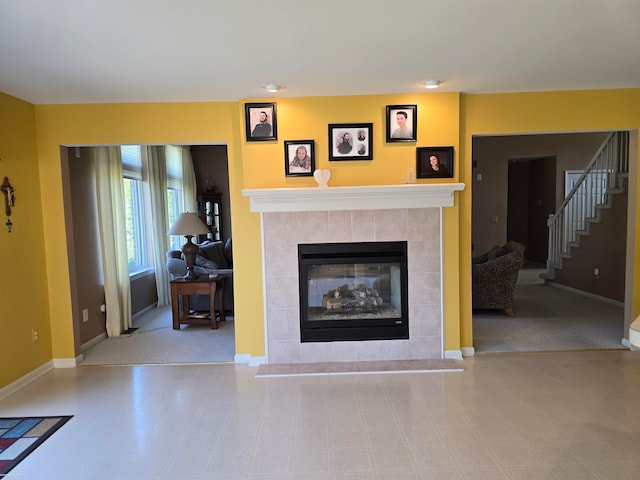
[{"x": 494, "y": 277}]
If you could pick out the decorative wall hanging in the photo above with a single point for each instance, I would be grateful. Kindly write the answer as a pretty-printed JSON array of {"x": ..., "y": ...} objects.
[
  {"x": 350, "y": 141},
  {"x": 434, "y": 162},
  {"x": 261, "y": 122},
  {"x": 402, "y": 123},
  {"x": 299, "y": 158},
  {"x": 9, "y": 201}
]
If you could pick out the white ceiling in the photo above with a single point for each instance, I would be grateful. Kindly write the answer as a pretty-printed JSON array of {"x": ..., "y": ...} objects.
[{"x": 96, "y": 51}]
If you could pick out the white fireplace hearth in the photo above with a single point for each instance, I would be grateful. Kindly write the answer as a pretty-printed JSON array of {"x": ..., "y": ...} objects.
[{"x": 411, "y": 213}]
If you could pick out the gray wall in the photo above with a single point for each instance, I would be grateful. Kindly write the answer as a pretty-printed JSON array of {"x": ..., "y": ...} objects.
[
  {"x": 87, "y": 286},
  {"x": 143, "y": 293},
  {"x": 604, "y": 249},
  {"x": 491, "y": 156},
  {"x": 87, "y": 280},
  {"x": 210, "y": 165}
]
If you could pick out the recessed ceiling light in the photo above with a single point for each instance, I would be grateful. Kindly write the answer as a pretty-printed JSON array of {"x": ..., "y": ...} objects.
[
  {"x": 272, "y": 87},
  {"x": 432, "y": 83}
]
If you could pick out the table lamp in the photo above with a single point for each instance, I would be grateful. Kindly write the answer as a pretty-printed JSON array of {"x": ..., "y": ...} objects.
[{"x": 189, "y": 224}]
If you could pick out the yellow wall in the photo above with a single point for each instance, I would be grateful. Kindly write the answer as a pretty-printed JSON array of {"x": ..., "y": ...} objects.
[
  {"x": 24, "y": 303},
  {"x": 113, "y": 124},
  {"x": 443, "y": 119},
  {"x": 545, "y": 112},
  {"x": 308, "y": 118},
  {"x": 251, "y": 165}
]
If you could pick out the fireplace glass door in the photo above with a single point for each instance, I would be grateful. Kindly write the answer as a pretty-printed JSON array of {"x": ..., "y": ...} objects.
[{"x": 353, "y": 291}]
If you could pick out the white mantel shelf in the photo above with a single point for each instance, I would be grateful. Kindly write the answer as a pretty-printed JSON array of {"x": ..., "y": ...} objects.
[{"x": 371, "y": 197}]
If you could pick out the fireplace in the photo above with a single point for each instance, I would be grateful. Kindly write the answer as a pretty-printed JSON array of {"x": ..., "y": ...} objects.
[
  {"x": 353, "y": 291},
  {"x": 394, "y": 213}
]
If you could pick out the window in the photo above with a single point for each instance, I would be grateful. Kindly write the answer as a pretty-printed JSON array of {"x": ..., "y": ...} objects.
[
  {"x": 137, "y": 218},
  {"x": 174, "y": 190},
  {"x": 134, "y": 208}
]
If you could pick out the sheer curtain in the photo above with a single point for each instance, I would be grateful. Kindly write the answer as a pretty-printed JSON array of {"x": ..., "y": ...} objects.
[
  {"x": 154, "y": 172},
  {"x": 189, "y": 186},
  {"x": 111, "y": 221}
]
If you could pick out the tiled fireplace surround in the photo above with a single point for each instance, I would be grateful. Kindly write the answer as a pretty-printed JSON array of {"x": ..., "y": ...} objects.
[{"x": 352, "y": 214}]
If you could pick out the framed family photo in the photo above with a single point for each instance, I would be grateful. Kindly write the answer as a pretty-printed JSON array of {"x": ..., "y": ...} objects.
[
  {"x": 350, "y": 141},
  {"x": 434, "y": 162},
  {"x": 299, "y": 158},
  {"x": 402, "y": 123},
  {"x": 261, "y": 121}
]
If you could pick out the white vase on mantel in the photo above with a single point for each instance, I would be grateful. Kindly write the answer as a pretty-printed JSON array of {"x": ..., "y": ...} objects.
[{"x": 322, "y": 177}]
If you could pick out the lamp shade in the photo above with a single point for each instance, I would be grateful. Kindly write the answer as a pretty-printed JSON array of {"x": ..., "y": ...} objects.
[{"x": 188, "y": 223}]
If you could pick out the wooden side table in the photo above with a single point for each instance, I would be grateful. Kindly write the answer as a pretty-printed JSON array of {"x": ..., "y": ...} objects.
[{"x": 203, "y": 285}]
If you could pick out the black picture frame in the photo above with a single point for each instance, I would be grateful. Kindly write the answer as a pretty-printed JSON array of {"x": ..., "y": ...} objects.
[
  {"x": 252, "y": 119},
  {"x": 359, "y": 136},
  {"x": 445, "y": 162},
  {"x": 291, "y": 168},
  {"x": 402, "y": 133}
]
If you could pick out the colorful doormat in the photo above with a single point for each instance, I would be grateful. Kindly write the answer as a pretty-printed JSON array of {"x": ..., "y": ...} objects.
[{"x": 20, "y": 436}]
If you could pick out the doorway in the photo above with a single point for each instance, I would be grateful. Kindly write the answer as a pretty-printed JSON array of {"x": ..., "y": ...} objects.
[
  {"x": 87, "y": 291},
  {"x": 531, "y": 199},
  {"x": 521, "y": 178}
]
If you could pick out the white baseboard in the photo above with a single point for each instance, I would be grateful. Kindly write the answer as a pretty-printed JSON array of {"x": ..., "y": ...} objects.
[
  {"x": 87, "y": 345},
  {"x": 454, "y": 354},
  {"x": 629, "y": 345},
  {"x": 242, "y": 358},
  {"x": 586, "y": 294},
  {"x": 144, "y": 311},
  {"x": 634, "y": 340},
  {"x": 247, "y": 358},
  {"x": 29, "y": 377},
  {"x": 468, "y": 351},
  {"x": 64, "y": 363}
]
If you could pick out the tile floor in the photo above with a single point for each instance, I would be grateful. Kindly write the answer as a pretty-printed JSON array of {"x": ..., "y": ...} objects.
[{"x": 569, "y": 415}]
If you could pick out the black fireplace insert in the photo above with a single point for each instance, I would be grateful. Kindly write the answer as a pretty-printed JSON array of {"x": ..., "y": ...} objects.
[{"x": 353, "y": 291}]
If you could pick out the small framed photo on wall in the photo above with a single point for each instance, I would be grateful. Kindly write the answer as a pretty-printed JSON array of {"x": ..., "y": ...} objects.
[
  {"x": 402, "y": 123},
  {"x": 350, "y": 141},
  {"x": 434, "y": 162},
  {"x": 299, "y": 158},
  {"x": 261, "y": 121}
]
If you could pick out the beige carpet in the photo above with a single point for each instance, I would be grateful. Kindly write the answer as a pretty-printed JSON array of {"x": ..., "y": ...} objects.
[
  {"x": 155, "y": 341},
  {"x": 548, "y": 318}
]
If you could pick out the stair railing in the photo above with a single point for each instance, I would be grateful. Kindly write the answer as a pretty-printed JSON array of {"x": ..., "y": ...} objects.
[{"x": 589, "y": 191}]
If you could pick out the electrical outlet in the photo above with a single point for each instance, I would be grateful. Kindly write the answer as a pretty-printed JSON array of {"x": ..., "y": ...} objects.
[
  {"x": 85, "y": 315},
  {"x": 34, "y": 335}
]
